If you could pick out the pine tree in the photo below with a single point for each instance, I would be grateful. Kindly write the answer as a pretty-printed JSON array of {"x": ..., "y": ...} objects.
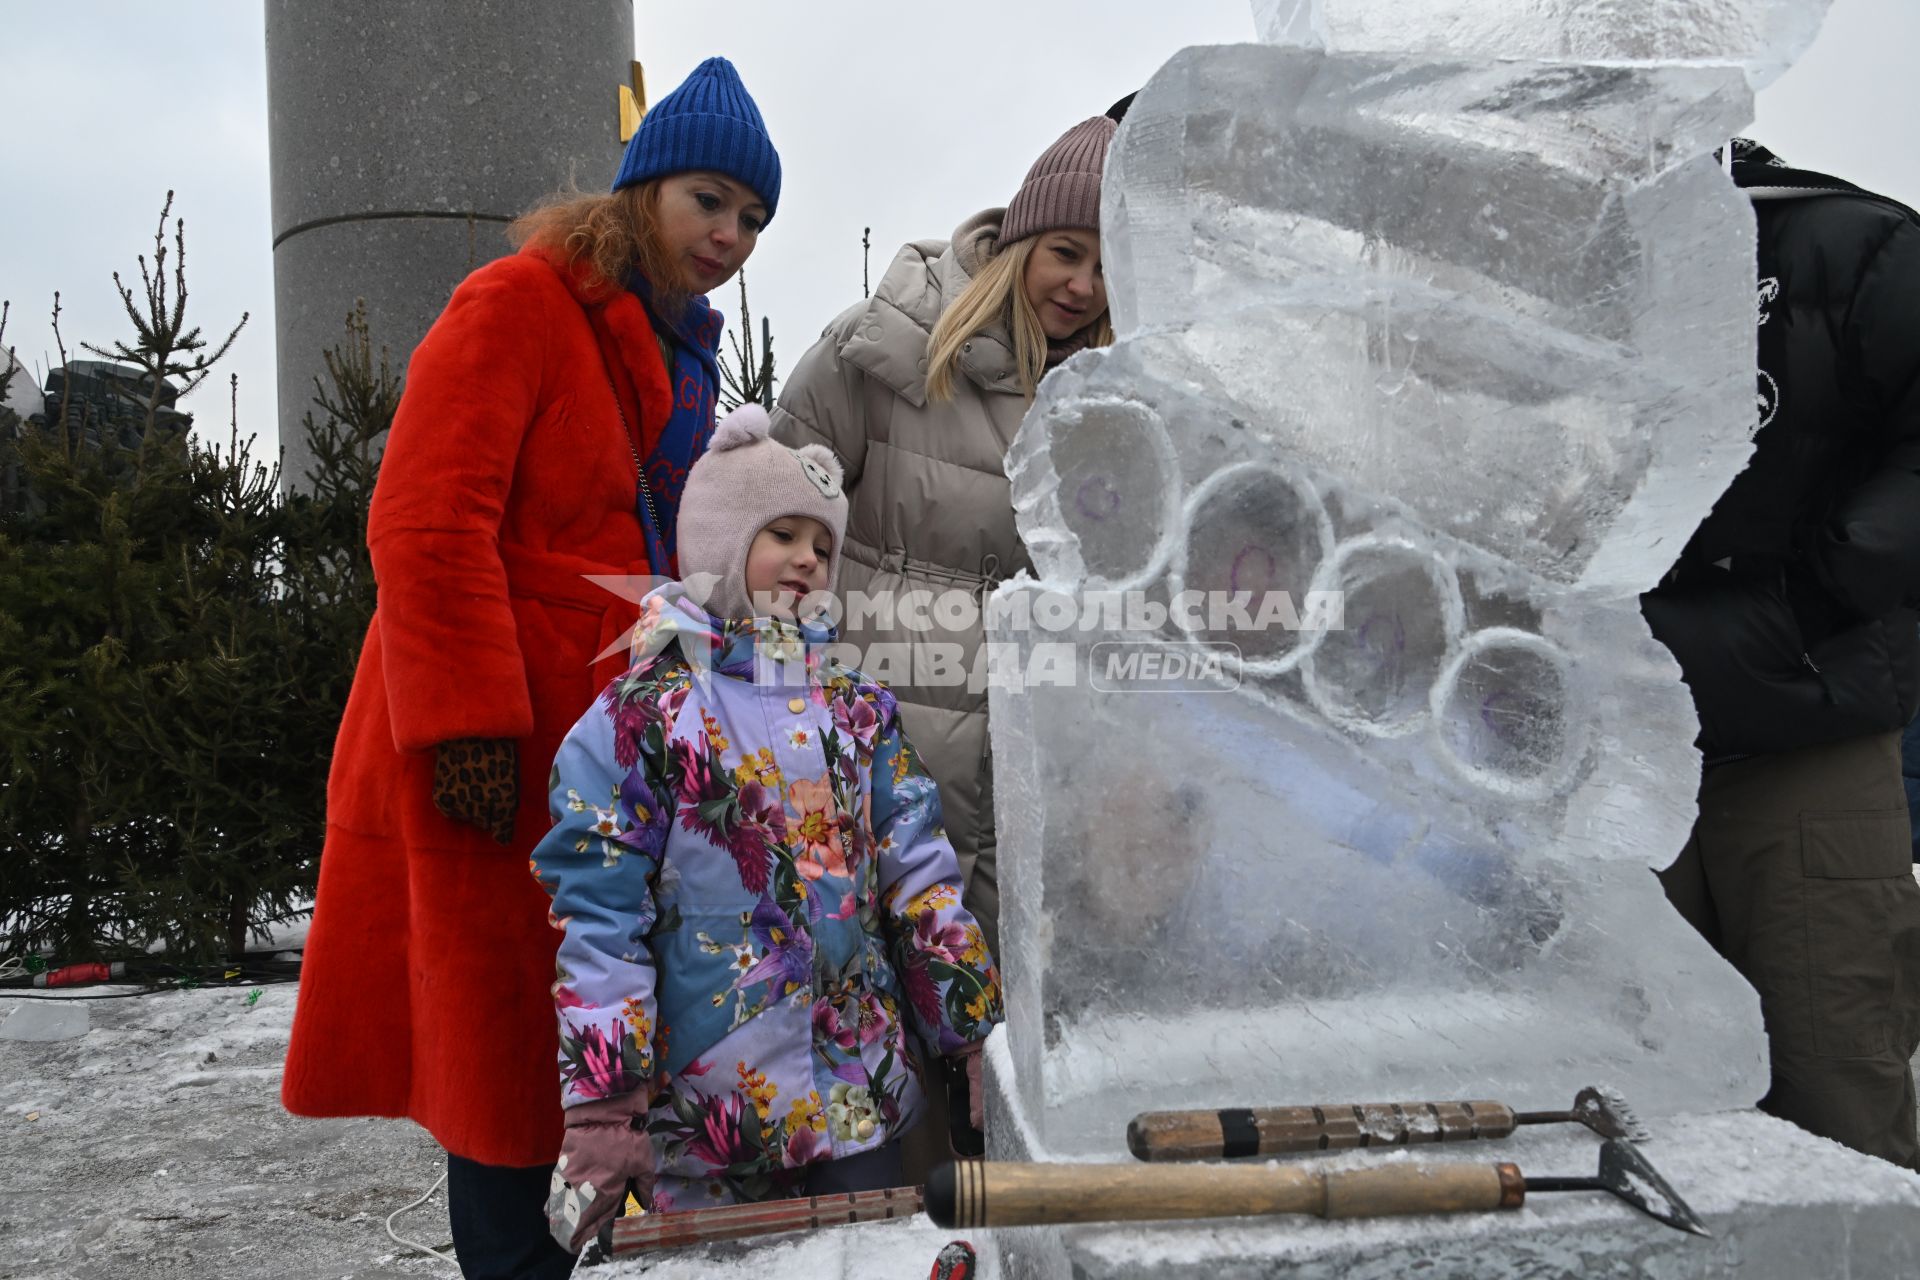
[
  {"x": 178, "y": 643},
  {"x": 85, "y": 567},
  {"x": 748, "y": 376}
]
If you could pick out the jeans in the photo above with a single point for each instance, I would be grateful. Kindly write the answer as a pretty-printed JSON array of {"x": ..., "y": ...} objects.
[{"x": 499, "y": 1219}]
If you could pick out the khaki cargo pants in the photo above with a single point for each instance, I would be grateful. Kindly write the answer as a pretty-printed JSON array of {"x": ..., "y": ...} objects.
[{"x": 1799, "y": 871}]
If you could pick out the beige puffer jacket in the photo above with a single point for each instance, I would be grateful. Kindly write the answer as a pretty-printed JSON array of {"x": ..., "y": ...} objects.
[{"x": 930, "y": 507}]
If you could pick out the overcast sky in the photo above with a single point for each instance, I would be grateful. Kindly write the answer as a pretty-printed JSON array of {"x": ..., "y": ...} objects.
[{"x": 902, "y": 117}]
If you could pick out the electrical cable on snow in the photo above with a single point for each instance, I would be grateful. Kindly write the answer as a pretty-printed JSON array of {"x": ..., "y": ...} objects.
[
  {"x": 111, "y": 995},
  {"x": 399, "y": 1239},
  {"x": 152, "y": 974},
  {"x": 14, "y": 993}
]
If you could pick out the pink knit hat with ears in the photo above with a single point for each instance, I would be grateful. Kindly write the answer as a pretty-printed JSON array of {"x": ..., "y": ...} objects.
[
  {"x": 743, "y": 482},
  {"x": 1062, "y": 190}
]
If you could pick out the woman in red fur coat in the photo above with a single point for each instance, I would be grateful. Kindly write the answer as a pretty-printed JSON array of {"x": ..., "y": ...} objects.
[{"x": 512, "y": 473}]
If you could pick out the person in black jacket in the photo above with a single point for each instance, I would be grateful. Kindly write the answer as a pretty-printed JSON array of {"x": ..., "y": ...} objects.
[{"x": 1792, "y": 614}]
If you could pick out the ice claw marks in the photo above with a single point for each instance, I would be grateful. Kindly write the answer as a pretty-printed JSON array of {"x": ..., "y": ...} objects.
[
  {"x": 1398, "y": 657},
  {"x": 1373, "y": 676},
  {"x": 1502, "y": 714},
  {"x": 1254, "y": 529},
  {"x": 1110, "y": 491}
]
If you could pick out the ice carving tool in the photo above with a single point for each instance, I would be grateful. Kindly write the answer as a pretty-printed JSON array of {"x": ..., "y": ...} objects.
[
  {"x": 1269, "y": 1131},
  {"x": 651, "y": 1232},
  {"x": 975, "y": 1193}
]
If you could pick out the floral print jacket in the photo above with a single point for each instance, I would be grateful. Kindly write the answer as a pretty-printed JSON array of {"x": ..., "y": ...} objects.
[{"x": 757, "y": 897}]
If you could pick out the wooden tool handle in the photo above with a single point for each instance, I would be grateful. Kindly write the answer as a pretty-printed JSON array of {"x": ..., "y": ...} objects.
[
  {"x": 1266, "y": 1131},
  {"x": 649, "y": 1231},
  {"x": 975, "y": 1193}
]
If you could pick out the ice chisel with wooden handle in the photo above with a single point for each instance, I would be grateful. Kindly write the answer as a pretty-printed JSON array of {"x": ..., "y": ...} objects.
[
  {"x": 1268, "y": 1131},
  {"x": 974, "y": 1193},
  {"x": 650, "y": 1232}
]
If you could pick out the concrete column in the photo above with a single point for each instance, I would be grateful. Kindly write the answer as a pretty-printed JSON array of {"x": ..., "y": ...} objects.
[{"x": 405, "y": 135}]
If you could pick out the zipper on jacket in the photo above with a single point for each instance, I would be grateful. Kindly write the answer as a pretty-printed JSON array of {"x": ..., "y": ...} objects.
[{"x": 639, "y": 472}]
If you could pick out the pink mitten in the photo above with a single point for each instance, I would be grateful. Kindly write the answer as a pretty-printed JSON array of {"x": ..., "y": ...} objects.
[{"x": 606, "y": 1146}]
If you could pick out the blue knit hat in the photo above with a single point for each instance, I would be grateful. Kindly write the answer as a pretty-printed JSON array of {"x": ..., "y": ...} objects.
[{"x": 710, "y": 122}]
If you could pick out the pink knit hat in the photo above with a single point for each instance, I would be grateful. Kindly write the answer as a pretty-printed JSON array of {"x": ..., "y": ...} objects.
[
  {"x": 1062, "y": 190},
  {"x": 743, "y": 482}
]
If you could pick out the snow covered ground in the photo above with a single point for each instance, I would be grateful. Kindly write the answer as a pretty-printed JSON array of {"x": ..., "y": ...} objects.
[{"x": 154, "y": 1146}]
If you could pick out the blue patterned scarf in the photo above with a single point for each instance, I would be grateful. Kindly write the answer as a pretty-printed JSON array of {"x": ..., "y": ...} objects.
[{"x": 695, "y": 379}]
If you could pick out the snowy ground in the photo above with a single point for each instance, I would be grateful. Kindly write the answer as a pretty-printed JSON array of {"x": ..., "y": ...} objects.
[{"x": 154, "y": 1147}]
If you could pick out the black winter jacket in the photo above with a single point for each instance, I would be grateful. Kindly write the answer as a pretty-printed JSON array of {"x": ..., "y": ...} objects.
[{"x": 1791, "y": 610}]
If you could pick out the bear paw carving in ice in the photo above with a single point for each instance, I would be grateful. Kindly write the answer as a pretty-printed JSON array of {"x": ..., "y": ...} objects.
[{"x": 1452, "y": 356}]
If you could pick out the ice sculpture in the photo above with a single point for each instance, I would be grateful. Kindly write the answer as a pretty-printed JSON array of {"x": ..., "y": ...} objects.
[
  {"x": 1472, "y": 345},
  {"x": 1760, "y": 36},
  {"x": 1466, "y": 343}
]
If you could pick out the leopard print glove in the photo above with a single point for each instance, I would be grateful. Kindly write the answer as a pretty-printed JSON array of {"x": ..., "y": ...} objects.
[{"x": 477, "y": 781}]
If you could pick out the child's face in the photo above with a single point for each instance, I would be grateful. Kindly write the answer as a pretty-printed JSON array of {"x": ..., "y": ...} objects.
[{"x": 789, "y": 558}]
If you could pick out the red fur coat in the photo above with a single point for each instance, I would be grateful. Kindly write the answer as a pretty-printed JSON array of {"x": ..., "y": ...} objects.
[{"x": 507, "y": 476}]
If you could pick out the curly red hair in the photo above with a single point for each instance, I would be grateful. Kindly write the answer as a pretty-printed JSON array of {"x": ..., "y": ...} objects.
[{"x": 607, "y": 235}]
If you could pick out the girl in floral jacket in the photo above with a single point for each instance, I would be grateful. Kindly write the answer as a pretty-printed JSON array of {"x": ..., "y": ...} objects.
[{"x": 748, "y": 866}]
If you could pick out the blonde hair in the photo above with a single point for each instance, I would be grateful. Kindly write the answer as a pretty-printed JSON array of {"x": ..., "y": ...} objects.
[
  {"x": 994, "y": 296},
  {"x": 612, "y": 234}
]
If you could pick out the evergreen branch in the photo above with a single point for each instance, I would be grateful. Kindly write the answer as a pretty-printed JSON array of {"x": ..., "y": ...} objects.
[
  {"x": 164, "y": 347},
  {"x": 748, "y": 376},
  {"x": 6, "y": 375}
]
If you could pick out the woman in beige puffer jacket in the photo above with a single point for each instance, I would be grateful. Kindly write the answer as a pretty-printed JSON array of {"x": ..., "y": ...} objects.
[{"x": 919, "y": 390}]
